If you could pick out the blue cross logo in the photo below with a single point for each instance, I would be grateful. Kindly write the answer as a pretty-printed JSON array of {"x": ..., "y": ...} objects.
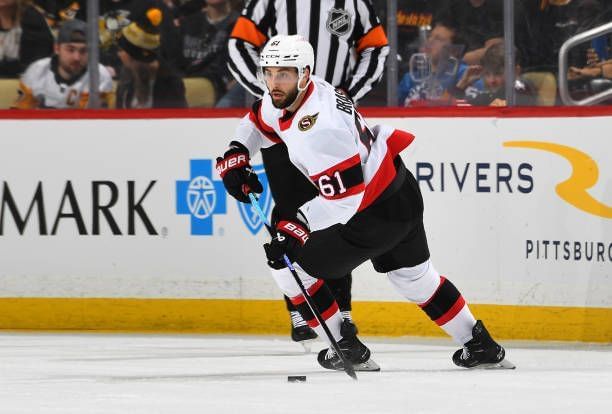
[
  {"x": 248, "y": 213},
  {"x": 201, "y": 197}
]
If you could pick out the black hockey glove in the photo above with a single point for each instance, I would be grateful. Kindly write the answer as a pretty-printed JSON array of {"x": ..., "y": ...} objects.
[
  {"x": 238, "y": 177},
  {"x": 291, "y": 235}
]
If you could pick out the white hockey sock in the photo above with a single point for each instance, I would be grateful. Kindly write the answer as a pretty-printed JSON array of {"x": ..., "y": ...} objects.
[
  {"x": 460, "y": 327},
  {"x": 333, "y": 323},
  {"x": 438, "y": 298}
]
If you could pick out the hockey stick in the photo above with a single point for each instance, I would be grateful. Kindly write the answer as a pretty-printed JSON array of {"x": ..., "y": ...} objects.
[{"x": 348, "y": 367}]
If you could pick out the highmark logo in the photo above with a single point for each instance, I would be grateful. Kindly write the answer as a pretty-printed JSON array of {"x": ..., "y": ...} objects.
[
  {"x": 201, "y": 197},
  {"x": 585, "y": 174},
  {"x": 247, "y": 211}
]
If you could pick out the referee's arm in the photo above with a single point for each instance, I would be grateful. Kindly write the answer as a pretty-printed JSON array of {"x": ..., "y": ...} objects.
[
  {"x": 247, "y": 37},
  {"x": 372, "y": 49}
]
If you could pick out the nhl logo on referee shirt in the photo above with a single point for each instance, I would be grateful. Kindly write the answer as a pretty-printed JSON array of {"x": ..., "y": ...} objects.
[
  {"x": 306, "y": 122},
  {"x": 338, "y": 22}
]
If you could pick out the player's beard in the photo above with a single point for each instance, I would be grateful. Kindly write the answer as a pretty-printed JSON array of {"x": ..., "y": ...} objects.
[{"x": 284, "y": 103}]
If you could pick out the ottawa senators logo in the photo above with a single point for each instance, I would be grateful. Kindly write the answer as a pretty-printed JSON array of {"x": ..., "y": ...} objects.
[{"x": 307, "y": 122}]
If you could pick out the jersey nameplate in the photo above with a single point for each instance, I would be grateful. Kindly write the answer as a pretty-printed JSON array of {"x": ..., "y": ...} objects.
[{"x": 344, "y": 103}]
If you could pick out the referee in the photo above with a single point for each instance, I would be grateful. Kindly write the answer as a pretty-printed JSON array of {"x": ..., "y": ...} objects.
[
  {"x": 350, "y": 48},
  {"x": 349, "y": 42}
]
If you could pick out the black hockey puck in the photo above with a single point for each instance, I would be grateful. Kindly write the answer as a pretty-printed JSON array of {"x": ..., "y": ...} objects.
[{"x": 296, "y": 378}]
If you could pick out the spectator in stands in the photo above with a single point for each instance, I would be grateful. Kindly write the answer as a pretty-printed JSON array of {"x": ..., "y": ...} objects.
[
  {"x": 184, "y": 8},
  {"x": 543, "y": 26},
  {"x": 492, "y": 74},
  {"x": 24, "y": 36},
  {"x": 204, "y": 37},
  {"x": 590, "y": 80},
  {"x": 480, "y": 24},
  {"x": 114, "y": 12},
  {"x": 589, "y": 61},
  {"x": 62, "y": 81},
  {"x": 594, "y": 71},
  {"x": 147, "y": 81},
  {"x": 414, "y": 21},
  {"x": 71, "y": 9},
  {"x": 114, "y": 16},
  {"x": 435, "y": 70},
  {"x": 77, "y": 9},
  {"x": 590, "y": 14}
]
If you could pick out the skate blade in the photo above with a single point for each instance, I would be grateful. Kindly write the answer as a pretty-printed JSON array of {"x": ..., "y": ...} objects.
[
  {"x": 503, "y": 364},
  {"x": 369, "y": 365},
  {"x": 307, "y": 345}
]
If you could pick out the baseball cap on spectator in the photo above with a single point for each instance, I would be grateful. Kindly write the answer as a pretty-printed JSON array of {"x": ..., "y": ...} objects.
[
  {"x": 72, "y": 31},
  {"x": 140, "y": 39}
]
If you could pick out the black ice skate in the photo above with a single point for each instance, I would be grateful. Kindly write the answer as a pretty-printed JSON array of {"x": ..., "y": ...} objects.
[
  {"x": 301, "y": 332},
  {"x": 482, "y": 351},
  {"x": 349, "y": 326},
  {"x": 352, "y": 349}
]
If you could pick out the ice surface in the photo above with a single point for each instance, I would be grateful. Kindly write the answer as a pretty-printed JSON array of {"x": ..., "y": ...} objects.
[{"x": 138, "y": 374}]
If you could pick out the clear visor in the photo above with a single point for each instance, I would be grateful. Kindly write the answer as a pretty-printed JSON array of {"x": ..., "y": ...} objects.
[{"x": 282, "y": 77}]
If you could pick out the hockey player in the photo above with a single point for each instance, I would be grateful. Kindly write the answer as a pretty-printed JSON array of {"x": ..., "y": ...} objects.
[
  {"x": 350, "y": 48},
  {"x": 62, "y": 81},
  {"x": 369, "y": 206}
]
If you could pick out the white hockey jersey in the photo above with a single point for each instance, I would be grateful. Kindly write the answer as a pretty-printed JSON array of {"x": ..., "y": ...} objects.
[
  {"x": 330, "y": 143},
  {"x": 41, "y": 87}
]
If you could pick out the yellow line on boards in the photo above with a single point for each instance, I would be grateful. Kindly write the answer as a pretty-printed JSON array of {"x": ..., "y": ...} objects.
[{"x": 270, "y": 317}]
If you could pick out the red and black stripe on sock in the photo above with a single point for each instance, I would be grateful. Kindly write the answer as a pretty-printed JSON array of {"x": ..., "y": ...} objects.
[
  {"x": 324, "y": 300},
  {"x": 444, "y": 304}
]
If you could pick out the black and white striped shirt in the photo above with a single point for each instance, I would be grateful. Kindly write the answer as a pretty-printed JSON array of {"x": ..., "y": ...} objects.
[{"x": 348, "y": 40}]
